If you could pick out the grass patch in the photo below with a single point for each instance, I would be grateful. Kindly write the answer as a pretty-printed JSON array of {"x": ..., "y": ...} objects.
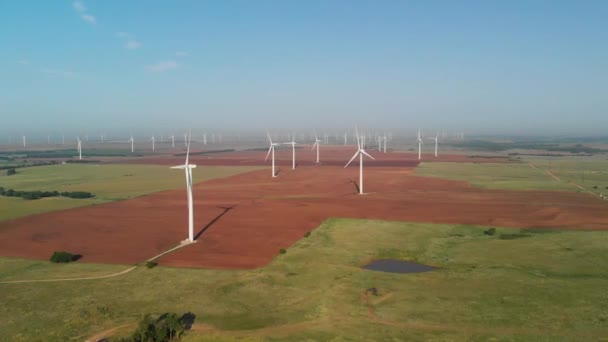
[
  {"x": 585, "y": 171},
  {"x": 108, "y": 183},
  {"x": 484, "y": 288}
]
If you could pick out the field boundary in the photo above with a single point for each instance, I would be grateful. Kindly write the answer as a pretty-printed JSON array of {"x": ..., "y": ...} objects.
[{"x": 181, "y": 245}]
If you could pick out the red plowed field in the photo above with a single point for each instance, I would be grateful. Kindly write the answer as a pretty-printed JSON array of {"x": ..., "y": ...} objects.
[
  {"x": 328, "y": 156},
  {"x": 243, "y": 221}
]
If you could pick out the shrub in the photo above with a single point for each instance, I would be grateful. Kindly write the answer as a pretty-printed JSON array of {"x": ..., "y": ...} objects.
[
  {"x": 151, "y": 264},
  {"x": 307, "y": 234},
  {"x": 514, "y": 236},
  {"x": 282, "y": 251},
  {"x": 64, "y": 257},
  {"x": 490, "y": 231},
  {"x": 167, "y": 327},
  {"x": 10, "y": 172}
]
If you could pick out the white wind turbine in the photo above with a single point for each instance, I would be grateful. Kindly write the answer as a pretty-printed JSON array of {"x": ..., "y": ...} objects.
[
  {"x": 436, "y": 138},
  {"x": 24, "y": 140},
  {"x": 271, "y": 149},
  {"x": 172, "y": 140},
  {"x": 153, "y": 141},
  {"x": 79, "y": 148},
  {"x": 384, "y": 138},
  {"x": 316, "y": 144},
  {"x": 419, "y": 145},
  {"x": 360, "y": 152},
  {"x": 293, "y": 151},
  {"x": 132, "y": 141},
  {"x": 188, "y": 169},
  {"x": 186, "y": 140}
]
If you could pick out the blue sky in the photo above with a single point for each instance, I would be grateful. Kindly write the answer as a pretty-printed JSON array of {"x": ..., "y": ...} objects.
[{"x": 477, "y": 66}]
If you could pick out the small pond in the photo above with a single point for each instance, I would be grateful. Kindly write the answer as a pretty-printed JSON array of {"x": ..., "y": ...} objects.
[{"x": 397, "y": 266}]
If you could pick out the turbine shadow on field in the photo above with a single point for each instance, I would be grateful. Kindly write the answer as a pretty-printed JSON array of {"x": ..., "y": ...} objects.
[
  {"x": 226, "y": 209},
  {"x": 355, "y": 184}
]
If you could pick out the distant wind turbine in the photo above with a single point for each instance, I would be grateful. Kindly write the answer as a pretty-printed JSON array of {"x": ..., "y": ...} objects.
[
  {"x": 293, "y": 151},
  {"x": 360, "y": 153},
  {"x": 79, "y": 148},
  {"x": 436, "y": 138},
  {"x": 132, "y": 141},
  {"x": 153, "y": 140},
  {"x": 316, "y": 144},
  {"x": 419, "y": 146},
  {"x": 271, "y": 150}
]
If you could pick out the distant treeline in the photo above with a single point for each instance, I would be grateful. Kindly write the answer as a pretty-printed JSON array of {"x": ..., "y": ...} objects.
[
  {"x": 69, "y": 153},
  {"x": 18, "y": 166},
  {"x": 204, "y": 152},
  {"x": 491, "y": 146},
  {"x": 34, "y": 195}
]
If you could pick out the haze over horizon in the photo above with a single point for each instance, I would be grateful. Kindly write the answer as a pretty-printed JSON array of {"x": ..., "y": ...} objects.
[{"x": 512, "y": 67}]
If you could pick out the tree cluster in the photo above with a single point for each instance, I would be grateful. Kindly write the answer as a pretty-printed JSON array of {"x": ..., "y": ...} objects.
[
  {"x": 64, "y": 257},
  {"x": 167, "y": 327},
  {"x": 34, "y": 195}
]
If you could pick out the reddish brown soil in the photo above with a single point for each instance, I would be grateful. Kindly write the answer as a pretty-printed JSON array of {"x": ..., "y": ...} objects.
[
  {"x": 268, "y": 214},
  {"x": 328, "y": 156}
]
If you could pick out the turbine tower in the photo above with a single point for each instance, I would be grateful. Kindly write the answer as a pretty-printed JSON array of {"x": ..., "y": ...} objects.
[
  {"x": 316, "y": 144},
  {"x": 188, "y": 169},
  {"x": 419, "y": 146},
  {"x": 436, "y": 138},
  {"x": 172, "y": 140},
  {"x": 360, "y": 152},
  {"x": 132, "y": 141},
  {"x": 24, "y": 140},
  {"x": 79, "y": 148},
  {"x": 153, "y": 140},
  {"x": 271, "y": 149},
  {"x": 293, "y": 151}
]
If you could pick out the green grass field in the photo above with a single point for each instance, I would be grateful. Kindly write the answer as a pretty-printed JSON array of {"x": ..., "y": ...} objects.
[
  {"x": 107, "y": 182},
  {"x": 522, "y": 176},
  {"x": 543, "y": 286}
]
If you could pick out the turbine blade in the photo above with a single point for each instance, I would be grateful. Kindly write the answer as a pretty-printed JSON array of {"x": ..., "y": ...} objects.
[
  {"x": 267, "y": 154},
  {"x": 188, "y": 151},
  {"x": 367, "y": 154},
  {"x": 353, "y": 158},
  {"x": 314, "y": 145}
]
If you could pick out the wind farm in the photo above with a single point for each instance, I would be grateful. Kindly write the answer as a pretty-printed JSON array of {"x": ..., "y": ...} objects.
[{"x": 438, "y": 171}]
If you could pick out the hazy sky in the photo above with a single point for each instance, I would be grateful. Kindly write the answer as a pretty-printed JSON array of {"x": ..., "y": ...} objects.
[{"x": 491, "y": 66}]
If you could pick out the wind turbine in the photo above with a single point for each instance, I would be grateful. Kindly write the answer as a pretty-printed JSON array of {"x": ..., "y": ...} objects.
[
  {"x": 360, "y": 152},
  {"x": 316, "y": 144},
  {"x": 172, "y": 140},
  {"x": 24, "y": 140},
  {"x": 271, "y": 149},
  {"x": 79, "y": 148},
  {"x": 419, "y": 145},
  {"x": 186, "y": 140},
  {"x": 153, "y": 140},
  {"x": 293, "y": 151},
  {"x": 436, "y": 138},
  {"x": 132, "y": 141},
  {"x": 384, "y": 137},
  {"x": 188, "y": 169}
]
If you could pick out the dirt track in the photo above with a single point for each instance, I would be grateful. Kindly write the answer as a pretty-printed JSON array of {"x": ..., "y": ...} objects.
[{"x": 244, "y": 220}]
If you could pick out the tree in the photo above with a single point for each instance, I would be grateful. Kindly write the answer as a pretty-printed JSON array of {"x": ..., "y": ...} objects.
[{"x": 11, "y": 172}]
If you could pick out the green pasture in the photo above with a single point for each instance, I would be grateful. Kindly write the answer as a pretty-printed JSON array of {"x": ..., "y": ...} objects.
[
  {"x": 515, "y": 285},
  {"x": 522, "y": 176},
  {"x": 108, "y": 183}
]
